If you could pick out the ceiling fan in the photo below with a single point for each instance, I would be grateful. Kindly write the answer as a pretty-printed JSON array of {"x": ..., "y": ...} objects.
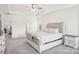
[{"x": 34, "y": 7}]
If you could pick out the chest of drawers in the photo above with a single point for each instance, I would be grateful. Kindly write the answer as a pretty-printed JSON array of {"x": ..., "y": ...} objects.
[
  {"x": 72, "y": 41},
  {"x": 2, "y": 44}
]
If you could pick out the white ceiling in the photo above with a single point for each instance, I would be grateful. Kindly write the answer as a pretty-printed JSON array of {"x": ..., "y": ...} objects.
[
  {"x": 54, "y": 7},
  {"x": 27, "y": 7}
]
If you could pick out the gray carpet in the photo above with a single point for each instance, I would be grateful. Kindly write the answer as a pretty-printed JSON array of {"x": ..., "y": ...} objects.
[{"x": 19, "y": 46}]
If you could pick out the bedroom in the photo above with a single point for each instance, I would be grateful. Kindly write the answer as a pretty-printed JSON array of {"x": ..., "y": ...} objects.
[{"x": 21, "y": 19}]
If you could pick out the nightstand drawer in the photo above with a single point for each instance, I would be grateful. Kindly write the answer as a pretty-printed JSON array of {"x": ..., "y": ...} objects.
[
  {"x": 69, "y": 43},
  {"x": 68, "y": 38}
]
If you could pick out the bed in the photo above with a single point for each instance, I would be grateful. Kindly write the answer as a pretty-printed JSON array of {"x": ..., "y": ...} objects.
[{"x": 46, "y": 39}]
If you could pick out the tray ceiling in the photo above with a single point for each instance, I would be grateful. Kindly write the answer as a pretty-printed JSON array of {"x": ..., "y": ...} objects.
[{"x": 24, "y": 8}]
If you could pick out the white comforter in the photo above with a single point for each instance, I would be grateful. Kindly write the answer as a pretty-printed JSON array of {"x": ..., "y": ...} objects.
[{"x": 46, "y": 37}]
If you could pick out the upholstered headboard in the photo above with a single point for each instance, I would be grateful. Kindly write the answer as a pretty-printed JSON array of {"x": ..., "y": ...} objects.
[{"x": 58, "y": 25}]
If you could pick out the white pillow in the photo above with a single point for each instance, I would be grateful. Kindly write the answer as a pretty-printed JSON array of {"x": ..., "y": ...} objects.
[{"x": 52, "y": 30}]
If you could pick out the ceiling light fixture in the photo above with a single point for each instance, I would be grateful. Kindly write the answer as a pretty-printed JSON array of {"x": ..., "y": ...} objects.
[{"x": 34, "y": 7}]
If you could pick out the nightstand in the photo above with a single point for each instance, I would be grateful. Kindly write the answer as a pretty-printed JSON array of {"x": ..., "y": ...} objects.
[{"x": 72, "y": 41}]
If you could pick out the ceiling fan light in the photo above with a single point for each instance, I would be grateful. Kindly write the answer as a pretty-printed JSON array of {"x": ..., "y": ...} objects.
[{"x": 34, "y": 7}]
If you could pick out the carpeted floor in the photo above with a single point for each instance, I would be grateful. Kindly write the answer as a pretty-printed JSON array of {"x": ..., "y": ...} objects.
[{"x": 19, "y": 46}]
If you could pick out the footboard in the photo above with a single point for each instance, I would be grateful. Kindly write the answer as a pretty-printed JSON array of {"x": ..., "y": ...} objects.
[
  {"x": 50, "y": 45},
  {"x": 34, "y": 42},
  {"x": 37, "y": 44}
]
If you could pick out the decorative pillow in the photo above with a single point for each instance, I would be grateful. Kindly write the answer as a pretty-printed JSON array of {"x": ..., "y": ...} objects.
[
  {"x": 45, "y": 30},
  {"x": 54, "y": 30}
]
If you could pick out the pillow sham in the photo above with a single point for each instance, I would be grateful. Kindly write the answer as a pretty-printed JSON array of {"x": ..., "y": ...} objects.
[{"x": 52, "y": 30}]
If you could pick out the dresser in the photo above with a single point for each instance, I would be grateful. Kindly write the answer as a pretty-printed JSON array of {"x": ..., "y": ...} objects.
[
  {"x": 72, "y": 41},
  {"x": 2, "y": 35},
  {"x": 2, "y": 44}
]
